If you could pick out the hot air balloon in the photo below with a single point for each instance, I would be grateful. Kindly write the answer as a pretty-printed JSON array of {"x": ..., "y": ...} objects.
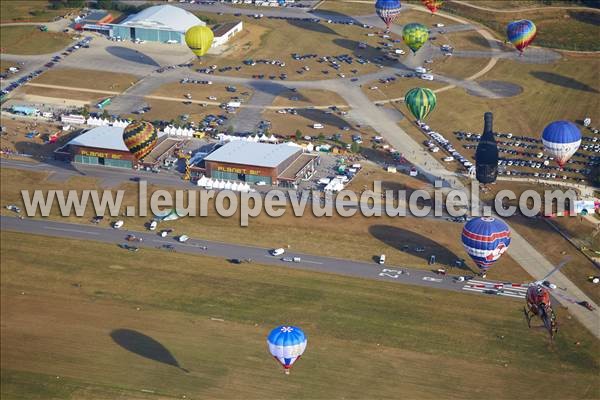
[
  {"x": 415, "y": 35},
  {"x": 387, "y": 10},
  {"x": 485, "y": 240},
  {"x": 433, "y": 5},
  {"x": 199, "y": 38},
  {"x": 420, "y": 102},
  {"x": 486, "y": 155},
  {"x": 286, "y": 344},
  {"x": 140, "y": 138},
  {"x": 561, "y": 139},
  {"x": 521, "y": 33}
]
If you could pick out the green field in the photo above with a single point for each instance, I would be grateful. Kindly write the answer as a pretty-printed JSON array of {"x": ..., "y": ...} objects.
[
  {"x": 29, "y": 11},
  {"x": 570, "y": 29},
  {"x": 28, "y": 40},
  {"x": 367, "y": 339}
]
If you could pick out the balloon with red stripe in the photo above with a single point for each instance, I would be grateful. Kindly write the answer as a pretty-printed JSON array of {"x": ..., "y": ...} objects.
[
  {"x": 140, "y": 138},
  {"x": 485, "y": 240}
]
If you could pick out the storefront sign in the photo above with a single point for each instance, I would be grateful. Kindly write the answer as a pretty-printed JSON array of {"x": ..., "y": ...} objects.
[
  {"x": 238, "y": 170},
  {"x": 100, "y": 155}
]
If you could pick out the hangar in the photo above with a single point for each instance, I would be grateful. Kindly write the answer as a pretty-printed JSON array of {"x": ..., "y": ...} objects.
[
  {"x": 274, "y": 164},
  {"x": 104, "y": 146},
  {"x": 165, "y": 23}
]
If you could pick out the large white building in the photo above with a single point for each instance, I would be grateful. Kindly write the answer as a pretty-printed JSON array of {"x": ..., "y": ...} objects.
[
  {"x": 224, "y": 32},
  {"x": 164, "y": 23}
]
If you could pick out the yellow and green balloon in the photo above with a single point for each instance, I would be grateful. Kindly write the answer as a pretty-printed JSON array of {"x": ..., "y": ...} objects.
[
  {"x": 199, "y": 39},
  {"x": 420, "y": 102},
  {"x": 415, "y": 35},
  {"x": 140, "y": 138}
]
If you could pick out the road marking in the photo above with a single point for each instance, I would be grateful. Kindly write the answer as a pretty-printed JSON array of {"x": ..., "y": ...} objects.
[
  {"x": 71, "y": 230},
  {"x": 430, "y": 279},
  {"x": 311, "y": 262},
  {"x": 495, "y": 292}
]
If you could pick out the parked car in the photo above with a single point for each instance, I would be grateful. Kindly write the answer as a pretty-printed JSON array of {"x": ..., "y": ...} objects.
[{"x": 277, "y": 252}]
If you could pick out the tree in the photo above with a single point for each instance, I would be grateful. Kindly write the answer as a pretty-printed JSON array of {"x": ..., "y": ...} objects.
[
  {"x": 298, "y": 134},
  {"x": 105, "y": 114},
  {"x": 354, "y": 147},
  {"x": 321, "y": 136},
  {"x": 230, "y": 130},
  {"x": 85, "y": 111}
]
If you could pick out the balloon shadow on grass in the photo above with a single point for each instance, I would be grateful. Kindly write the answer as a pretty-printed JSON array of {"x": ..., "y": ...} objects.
[
  {"x": 408, "y": 241},
  {"x": 564, "y": 81},
  {"x": 145, "y": 346}
]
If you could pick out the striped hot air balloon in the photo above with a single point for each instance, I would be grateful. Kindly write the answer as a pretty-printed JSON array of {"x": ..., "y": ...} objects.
[
  {"x": 521, "y": 33},
  {"x": 415, "y": 35},
  {"x": 140, "y": 138},
  {"x": 387, "y": 10},
  {"x": 561, "y": 139},
  {"x": 485, "y": 240},
  {"x": 420, "y": 102},
  {"x": 287, "y": 344},
  {"x": 432, "y": 5},
  {"x": 199, "y": 39}
]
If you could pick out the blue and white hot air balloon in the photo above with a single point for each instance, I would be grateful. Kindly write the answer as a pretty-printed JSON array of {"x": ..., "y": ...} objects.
[
  {"x": 561, "y": 139},
  {"x": 387, "y": 10},
  {"x": 287, "y": 344},
  {"x": 485, "y": 240}
]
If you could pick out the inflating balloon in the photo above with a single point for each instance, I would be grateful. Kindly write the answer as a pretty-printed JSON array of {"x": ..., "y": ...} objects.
[
  {"x": 140, "y": 138},
  {"x": 415, "y": 35},
  {"x": 433, "y": 5},
  {"x": 286, "y": 344},
  {"x": 521, "y": 33},
  {"x": 199, "y": 39},
  {"x": 485, "y": 240},
  {"x": 387, "y": 10},
  {"x": 561, "y": 139},
  {"x": 420, "y": 102}
]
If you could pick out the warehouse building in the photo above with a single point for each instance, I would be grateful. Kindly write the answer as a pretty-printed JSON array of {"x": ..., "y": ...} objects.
[
  {"x": 104, "y": 146},
  {"x": 273, "y": 164},
  {"x": 224, "y": 32},
  {"x": 165, "y": 23}
]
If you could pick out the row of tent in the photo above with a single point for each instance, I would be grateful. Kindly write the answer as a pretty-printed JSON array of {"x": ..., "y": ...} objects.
[
  {"x": 209, "y": 183},
  {"x": 179, "y": 131},
  {"x": 252, "y": 138},
  {"x": 93, "y": 121}
]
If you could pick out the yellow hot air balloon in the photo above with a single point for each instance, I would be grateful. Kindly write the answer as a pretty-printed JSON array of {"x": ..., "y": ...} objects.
[{"x": 199, "y": 38}]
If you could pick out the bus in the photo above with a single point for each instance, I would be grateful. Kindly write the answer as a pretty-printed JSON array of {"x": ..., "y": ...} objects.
[{"x": 104, "y": 103}]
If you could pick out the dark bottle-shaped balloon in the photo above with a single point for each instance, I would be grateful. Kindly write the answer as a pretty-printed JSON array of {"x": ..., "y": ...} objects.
[{"x": 486, "y": 155}]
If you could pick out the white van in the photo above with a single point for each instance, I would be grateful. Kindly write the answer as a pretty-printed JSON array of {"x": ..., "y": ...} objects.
[
  {"x": 382, "y": 259},
  {"x": 277, "y": 252},
  {"x": 118, "y": 224},
  {"x": 317, "y": 126},
  {"x": 420, "y": 70}
]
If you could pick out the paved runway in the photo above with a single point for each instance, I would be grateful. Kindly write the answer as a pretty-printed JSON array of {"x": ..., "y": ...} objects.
[{"x": 229, "y": 251}]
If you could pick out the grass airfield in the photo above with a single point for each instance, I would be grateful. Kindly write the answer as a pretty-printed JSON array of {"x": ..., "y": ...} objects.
[{"x": 397, "y": 340}]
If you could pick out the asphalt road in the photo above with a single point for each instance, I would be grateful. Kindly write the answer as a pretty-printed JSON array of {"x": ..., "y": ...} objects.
[{"x": 232, "y": 251}]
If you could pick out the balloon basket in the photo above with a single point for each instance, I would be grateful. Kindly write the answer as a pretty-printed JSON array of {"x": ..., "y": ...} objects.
[{"x": 286, "y": 371}]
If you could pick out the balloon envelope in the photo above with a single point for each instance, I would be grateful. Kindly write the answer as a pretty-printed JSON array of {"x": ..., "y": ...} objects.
[
  {"x": 521, "y": 33},
  {"x": 287, "y": 344},
  {"x": 485, "y": 240},
  {"x": 415, "y": 35},
  {"x": 420, "y": 102},
  {"x": 199, "y": 39},
  {"x": 140, "y": 138},
  {"x": 561, "y": 139},
  {"x": 387, "y": 10},
  {"x": 432, "y": 5}
]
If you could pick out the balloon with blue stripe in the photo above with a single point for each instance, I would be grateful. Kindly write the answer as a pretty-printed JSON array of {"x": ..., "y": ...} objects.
[
  {"x": 287, "y": 344},
  {"x": 388, "y": 10},
  {"x": 485, "y": 240},
  {"x": 561, "y": 139}
]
